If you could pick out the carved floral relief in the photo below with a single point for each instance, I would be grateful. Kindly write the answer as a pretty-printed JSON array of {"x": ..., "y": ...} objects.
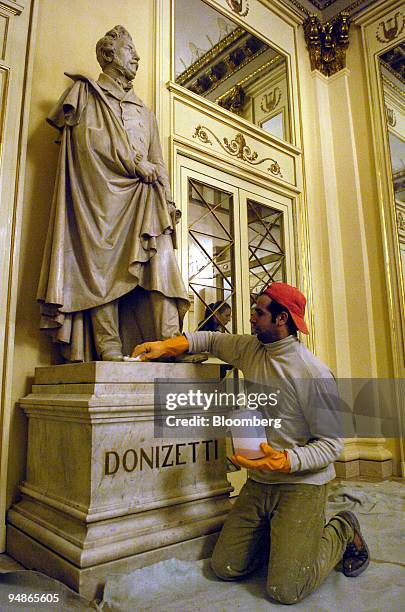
[{"x": 237, "y": 147}]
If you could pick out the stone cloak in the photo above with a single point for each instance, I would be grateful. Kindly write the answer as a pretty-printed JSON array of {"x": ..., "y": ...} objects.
[{"x": 108, "y": 231}]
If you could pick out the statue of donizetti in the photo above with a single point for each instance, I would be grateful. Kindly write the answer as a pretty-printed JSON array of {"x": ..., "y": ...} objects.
[{"x": 109, "y": 248}]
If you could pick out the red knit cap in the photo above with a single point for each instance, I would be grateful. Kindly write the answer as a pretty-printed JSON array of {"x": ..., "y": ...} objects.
[{"x": 292, "y": 299}]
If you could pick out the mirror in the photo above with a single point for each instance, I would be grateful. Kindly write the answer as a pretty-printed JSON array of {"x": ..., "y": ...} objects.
[
  {"x": 222, "y": 62},
  {"x": 392, "y": 70}
]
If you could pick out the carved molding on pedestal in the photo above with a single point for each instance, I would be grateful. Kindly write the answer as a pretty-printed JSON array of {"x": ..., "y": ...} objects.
[{"x": 327, "y": 43}]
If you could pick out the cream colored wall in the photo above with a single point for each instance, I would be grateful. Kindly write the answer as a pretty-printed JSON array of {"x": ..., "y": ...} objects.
[
  {"x": 347, "y": 260},
  {"x": 355, "y": 202},
  {"x": 372, "y": 224},
  {"x": 66, "y": 38}
]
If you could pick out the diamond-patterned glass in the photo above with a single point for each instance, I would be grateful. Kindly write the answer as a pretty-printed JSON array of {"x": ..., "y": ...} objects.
[
  {"x": 265, "y": 246},
  {"x": 210, "y": 253}
]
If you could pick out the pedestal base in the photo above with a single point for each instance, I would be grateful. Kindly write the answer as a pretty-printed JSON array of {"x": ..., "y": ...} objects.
[
  {"x": 89, "y": 582},
  {"x": 103, "y": 494}
]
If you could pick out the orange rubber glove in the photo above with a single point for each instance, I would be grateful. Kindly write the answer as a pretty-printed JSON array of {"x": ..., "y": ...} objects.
[
  {"x": 162, "y": 348},
  {"x": 274, "y": 460}
]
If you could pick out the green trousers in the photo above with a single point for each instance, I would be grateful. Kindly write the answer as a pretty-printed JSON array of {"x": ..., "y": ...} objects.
[{"x": 284, "y": 523}]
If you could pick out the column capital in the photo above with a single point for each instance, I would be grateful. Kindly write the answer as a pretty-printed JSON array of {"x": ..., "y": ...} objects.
[{"x": 327, "y": 43}]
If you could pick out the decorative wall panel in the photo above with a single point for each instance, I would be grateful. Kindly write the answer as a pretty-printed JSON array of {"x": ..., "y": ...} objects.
[{"x": 237, "y": 146}]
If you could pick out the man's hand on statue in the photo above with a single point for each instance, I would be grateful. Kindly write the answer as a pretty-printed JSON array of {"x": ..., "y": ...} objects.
[
  {"x": 273, "y": 461},
  {"x": 162, "y": 348},
  {"x": 147, "y": 172}
]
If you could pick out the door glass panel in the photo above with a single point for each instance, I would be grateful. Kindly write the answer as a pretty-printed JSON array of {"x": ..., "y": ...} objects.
[
  {"x": 267, "y": 257},
  {"x": 211, "y": 258},
  {"x": 221, "y": 61}
]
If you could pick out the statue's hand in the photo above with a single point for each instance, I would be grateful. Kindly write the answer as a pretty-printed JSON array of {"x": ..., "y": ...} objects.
[{"x": 147, "y": 172}]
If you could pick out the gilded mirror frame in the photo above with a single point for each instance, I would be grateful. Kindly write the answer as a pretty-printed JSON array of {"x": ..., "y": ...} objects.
[{"x": 383, "y": 28}]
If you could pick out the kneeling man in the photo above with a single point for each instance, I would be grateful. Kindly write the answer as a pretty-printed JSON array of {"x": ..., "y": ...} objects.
[{"x": 280, "y": 512}]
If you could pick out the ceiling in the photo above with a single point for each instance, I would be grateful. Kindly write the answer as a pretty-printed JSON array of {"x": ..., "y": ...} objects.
[{"x": 326, "y": 9}]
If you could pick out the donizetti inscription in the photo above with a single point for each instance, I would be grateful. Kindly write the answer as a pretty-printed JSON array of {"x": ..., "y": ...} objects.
[{"x": 156, "y": 457}]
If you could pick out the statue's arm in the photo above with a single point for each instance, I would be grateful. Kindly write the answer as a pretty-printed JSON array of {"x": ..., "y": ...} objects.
[{"x": 155, "y": 156}]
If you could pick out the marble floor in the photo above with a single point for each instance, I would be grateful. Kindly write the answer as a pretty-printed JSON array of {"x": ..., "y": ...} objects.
[{"x": 7, "y": 564}]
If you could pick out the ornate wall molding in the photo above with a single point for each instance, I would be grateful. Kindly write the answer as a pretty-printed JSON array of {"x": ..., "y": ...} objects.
[
  {"x": 226, "y": 58},
  {"x": 327, "y": 43},
  {"x": 271, "y": 100},
  {"x": 401, "y": 221},
  {"x": 237, "y": 147},
  {"x": 235, "y": 100},
  {"x": 391, "y": 28},
  {"x": 391, "y": 118},
  {"x": 323, "y": 7},
  {"x": 240, "y": 7}
]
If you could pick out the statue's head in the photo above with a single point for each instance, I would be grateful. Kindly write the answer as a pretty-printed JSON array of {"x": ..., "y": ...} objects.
[{"x": 116, "y": 51}]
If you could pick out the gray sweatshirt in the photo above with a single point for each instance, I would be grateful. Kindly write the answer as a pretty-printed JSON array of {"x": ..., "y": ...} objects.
[{"x": 308, "y": 409}]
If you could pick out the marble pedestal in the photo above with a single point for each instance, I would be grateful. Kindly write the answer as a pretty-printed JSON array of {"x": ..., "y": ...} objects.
[{"x": 102, "y": 494}]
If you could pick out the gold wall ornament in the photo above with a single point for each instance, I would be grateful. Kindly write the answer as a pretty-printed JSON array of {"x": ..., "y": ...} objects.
[
  {"x": 327, "y": 43},
  {"x": 200, "y": 132},
  {"x": 235, "y": 100},
  {"x": 391, "y": 118},
  {"x": 237, "y": 6},
  {"x": 270, "y": 100},
  {"x": 222, "y": 61},
  {"x": 401, "y": 221},
  {"x": 237, "y": 147},
  {"x": 391, "y": 28},
  {"x": 206, "y": 59}
]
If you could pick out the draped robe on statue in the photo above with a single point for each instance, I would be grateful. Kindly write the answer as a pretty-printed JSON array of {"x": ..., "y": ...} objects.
[{"x": 108, "y": 232}]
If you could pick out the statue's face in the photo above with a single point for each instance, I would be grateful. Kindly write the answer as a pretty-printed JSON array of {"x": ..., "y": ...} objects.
[{"x": 126, "y": 58}]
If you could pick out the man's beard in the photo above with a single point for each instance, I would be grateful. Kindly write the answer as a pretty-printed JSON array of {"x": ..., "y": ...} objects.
[
  {"x": 264, "y": 337},
  {"x": 129, "y": 75}
]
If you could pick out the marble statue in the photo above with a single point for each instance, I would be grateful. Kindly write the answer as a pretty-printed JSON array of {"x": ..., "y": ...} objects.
[{"x": 109, "y": 274}]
